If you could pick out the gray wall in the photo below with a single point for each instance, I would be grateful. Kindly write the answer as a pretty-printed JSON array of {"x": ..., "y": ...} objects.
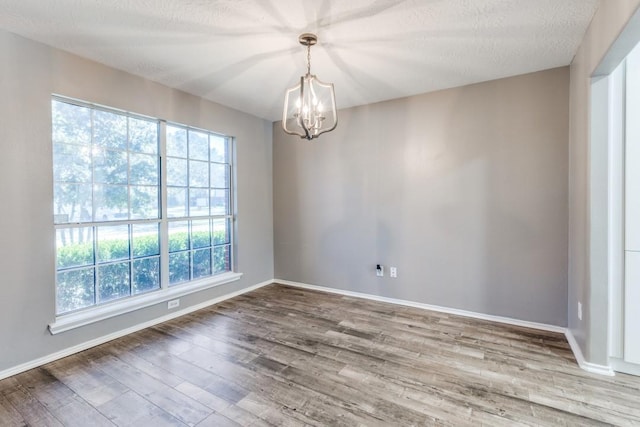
[
  {"x": 463, "y": 190},
  {"x": 29, "y": 73},
  {"x": 591, "y": 332}
]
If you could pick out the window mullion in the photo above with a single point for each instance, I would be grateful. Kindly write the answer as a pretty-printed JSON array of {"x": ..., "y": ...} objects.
[
  {"x": 231, "y": 209},
  {"x": 131, "y": 278},
  {"x": 129, "y": 207},
  {"x": 94, "y": 205},
  {"x": 96, "y": 273},
  {"x": 164, "y": 223}
]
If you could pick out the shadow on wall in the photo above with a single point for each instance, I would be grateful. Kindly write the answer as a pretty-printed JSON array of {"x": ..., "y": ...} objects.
[{"x": 462, "y": 190}]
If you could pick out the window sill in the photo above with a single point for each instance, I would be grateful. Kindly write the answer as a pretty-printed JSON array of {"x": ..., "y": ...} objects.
[{"x": 76, "y": 320}]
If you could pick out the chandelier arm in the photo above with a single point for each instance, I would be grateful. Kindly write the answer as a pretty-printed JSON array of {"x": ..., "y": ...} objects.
[{"x": 301, "y": 118}]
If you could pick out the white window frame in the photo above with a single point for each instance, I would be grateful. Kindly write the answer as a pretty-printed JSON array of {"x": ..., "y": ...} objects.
[
  {"x": 98, "y": 312},
  {"x": 228, "y": 216}
]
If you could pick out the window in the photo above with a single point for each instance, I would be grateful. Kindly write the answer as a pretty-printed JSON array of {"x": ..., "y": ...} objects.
[
  {"x": 198, "y": 204},
  {"x": 109, "y": 214}
]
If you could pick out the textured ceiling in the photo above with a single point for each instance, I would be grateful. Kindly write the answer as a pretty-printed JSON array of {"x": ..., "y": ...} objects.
[{"x": 244, "y": 53}]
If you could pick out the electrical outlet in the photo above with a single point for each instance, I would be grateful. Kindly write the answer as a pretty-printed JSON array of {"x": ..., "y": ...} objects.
[
  {"x": 173, "y": 304},
  {"x": 379, "y": 270},
  {"x": 579, "y": 310},
  {"x": 393, "y": 272}
]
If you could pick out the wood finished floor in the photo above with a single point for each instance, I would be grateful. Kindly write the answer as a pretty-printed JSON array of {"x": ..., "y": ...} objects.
[{"x": 285, "y": 356}]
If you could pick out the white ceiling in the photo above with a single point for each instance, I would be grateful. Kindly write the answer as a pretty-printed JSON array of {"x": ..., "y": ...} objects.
[{"x": 244, "y": 53}]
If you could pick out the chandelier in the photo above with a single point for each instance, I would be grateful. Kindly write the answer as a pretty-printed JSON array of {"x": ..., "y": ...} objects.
[{"x": 310, "y": 106}]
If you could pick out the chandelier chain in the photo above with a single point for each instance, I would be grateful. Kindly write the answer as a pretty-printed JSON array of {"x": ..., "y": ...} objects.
[{"x": 308, "y": 58}]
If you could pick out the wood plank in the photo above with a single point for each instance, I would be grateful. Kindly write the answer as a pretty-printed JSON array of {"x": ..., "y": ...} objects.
[
  {"x": 81, "y": 414},
  {"x": 293, "y": 357},
  {"x": 218, "y": 420},
  {"x": 131, "y": 409},
  {"x": 32, "y": 411}
]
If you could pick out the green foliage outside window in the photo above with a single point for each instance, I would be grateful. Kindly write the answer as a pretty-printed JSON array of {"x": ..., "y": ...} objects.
[
  {"x": 106, "y": 170},
  {"x": 76, "y": 287}
]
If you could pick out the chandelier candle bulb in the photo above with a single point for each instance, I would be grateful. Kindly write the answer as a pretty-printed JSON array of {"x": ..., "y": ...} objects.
[{"x": 304, "y": 111}]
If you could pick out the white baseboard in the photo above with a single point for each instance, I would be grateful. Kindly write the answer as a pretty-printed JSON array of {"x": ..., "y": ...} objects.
[
  {"x": 594, "y": 368},
  {"x": 106, "y": 338},
  {"x": 620, "y": 365},
  {"x": 440, "y": 309},
  {"x": 587, "y": 366}
]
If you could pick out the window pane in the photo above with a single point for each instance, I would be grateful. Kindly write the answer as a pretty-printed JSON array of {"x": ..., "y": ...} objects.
[
  {"x": 113, "y": 281},
  {"x": 71, "y": 124},
  {"x": 72, "y": 203},
  {"x": 176, "y": 202},
  {"x": 110, "y": 130},
  {"x": 219, "y": 202},
  {"x": 178, "y": 236},
  {"x": 201, "y": 263},
  {"x": 219, "y": 175},
  {"x": 176, "y": 142},
  {"x": 110, "y": 167},
  {"x": 113, "y": 243},
  {"x": 178, "y": 267},
  {"x": 200, "y": 234},
  {"x": 111, "y": 201},
  {"x": 146, "y": 275},
  {"x": 198, "y": 202},
  {"x": 144, "y": 169},
  {"x": 221, "y": 259},
  {"x": 75, "y": 290},
  {"x": 198, "y": 145},
  {"x": 146, "y": 240},
  {"x": 218, "y": 145},
  {"x": 74, "y": 247},
  {"x": 71, "y": 163},
  {"x": 221, "y": 231},
  {"x": 198, "y": 174},
  {"x": 177, "y": 172},
  {"x": 144, "y": 202},
  {"x": 143, "y": 135}
]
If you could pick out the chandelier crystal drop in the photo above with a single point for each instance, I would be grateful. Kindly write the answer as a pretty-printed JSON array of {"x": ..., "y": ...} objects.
[{"x": 310, "y": 106}]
